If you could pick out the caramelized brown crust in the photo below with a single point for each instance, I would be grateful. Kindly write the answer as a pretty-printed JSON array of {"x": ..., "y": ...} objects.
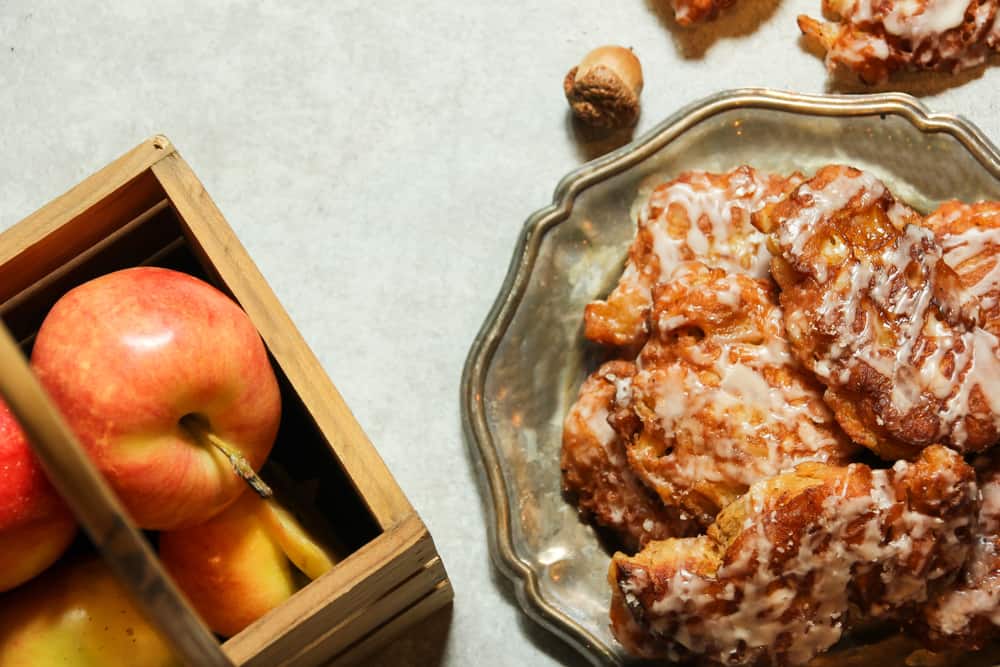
[
  {"x": 688, "y": 12},
  {"x": 721, "y": 400},
  {"x": 874, "y": 38},
  {"x": 969, "y": 236},
  {"x": 697, "y": 216},
  {"x": 595, "y": 470},
  {"x": 967, "y": 616},
  {"x": 802, "y": 556},
  {"x": 874, "y": 311}
]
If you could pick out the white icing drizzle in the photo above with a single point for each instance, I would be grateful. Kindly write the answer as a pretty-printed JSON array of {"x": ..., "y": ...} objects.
[
  {"x": 595, "y": 415},
  {"x": 928, "y": 28},
  {"x": 810, "y": 569},
  {"x": 860, "y": 49},
  {"x": 834, "y": 196},
  {"x": 915, "y": 20},
  {"x": 955, "y": 612},
  {"x": 920, "y": 20},
  {"x": 967, "y": 252},
  {"x": 595, "y": 466},
  {"x": 989, "y": 507},
  {"x": 926, "y": 358},
  {"x": 717, "y": 422},
  {"x": 682, "y": 12},
  {"x": 623, "y": 389},
  {"x": 719, "y": 232},
  {"x": 697, "y": 216},
  {"x": 724, "y": 419},
  {"x": 978, "y": 592}
]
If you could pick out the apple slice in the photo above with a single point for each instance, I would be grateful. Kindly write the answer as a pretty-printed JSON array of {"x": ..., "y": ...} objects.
[
  {"x": 308, "y": 556},
  {"x": 241, "y": 563}
]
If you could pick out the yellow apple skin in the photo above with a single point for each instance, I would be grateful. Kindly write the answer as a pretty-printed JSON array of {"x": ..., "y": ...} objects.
[
  {"x": 230, "y": 568},
  {"x": 27, "y": 550},
  {"x": 77, "y": 615}
]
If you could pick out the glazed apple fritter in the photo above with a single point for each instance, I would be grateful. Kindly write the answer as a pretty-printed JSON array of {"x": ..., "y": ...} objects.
[
  {"x": 697, "y": 216},
  {"x": 873, "y": 310},
  {"x": 596, "y": 472},
  {"x": 803, "y": 556},
  {"x": 874, "y": 38},
  {"x": 688, "y": 12},
  {"x": 722, "y": 403},
  {"x": 969, "y": 236},
  {"x": 967, "y": 616}
]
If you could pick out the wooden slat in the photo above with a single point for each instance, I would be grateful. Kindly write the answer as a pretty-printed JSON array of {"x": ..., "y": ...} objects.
[
  {"x": 25, "y": 310},
  {"x": 84, "y": 257},
  {"x": 367, "y": 620},
  {"x": 355, "y": 583},
  {"x": 391, "y": 576},
  {"x": 360, "y": 652},
  {"x": 222, "y": 254},
  {"x": 49, "y": 237}
]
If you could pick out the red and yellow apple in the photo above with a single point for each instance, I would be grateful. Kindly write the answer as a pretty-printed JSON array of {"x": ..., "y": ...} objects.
[
  {"x": 77, "y": 615},
  {"x": 157, "y": 373},
  {"x": 241, "y": 563},
  {"x": 35, "y": 524}
]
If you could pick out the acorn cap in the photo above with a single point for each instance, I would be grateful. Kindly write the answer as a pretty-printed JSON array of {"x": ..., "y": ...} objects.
[{"x": 603, "y": 90}]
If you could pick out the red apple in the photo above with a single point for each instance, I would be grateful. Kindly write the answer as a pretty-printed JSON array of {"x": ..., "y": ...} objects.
[
  {"x": 35, "y": 524},
  {"x": 151, "y": 368},
  {"x": 238, "y": 565}
]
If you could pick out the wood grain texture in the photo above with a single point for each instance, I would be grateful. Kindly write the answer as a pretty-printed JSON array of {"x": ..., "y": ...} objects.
[
  {"x": 432, "y": 580},
  {"x": 140, "y": 208},
  {"x": 54, "y": 234},
  {"x": 221, "y": 252},
  {"x": 131, "y": 244},
  {"x": 350, "y": 589},
  {"x": 360, "y": 652}
]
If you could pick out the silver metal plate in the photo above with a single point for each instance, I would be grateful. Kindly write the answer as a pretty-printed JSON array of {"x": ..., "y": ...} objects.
[{"x": 530, "y": 357}]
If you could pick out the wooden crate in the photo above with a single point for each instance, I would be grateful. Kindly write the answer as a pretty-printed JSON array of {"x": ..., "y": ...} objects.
[{"x": 148, "y": 207}]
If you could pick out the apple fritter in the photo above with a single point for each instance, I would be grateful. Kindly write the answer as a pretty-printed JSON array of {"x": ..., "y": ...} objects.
[
  {"x": 799, "y": 559},
  {"x": 874, "y": 38},
  {"x": 688, "y": 12},
  {"x": 721, "y": 400},
  {"x": 876, "y": 313},
  {"x": 969, "y": 236},
  {"x": 967, "y": 616},
  {"x": 697, "y": 216},
  {"x": 595, "y": 470}
]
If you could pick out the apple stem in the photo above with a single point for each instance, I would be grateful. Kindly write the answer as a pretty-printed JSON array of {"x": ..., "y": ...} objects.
[{"x": 240, "y": 465}]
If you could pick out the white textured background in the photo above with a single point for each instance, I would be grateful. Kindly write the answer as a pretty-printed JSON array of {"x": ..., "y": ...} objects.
[{"x": 377, "y": 158}]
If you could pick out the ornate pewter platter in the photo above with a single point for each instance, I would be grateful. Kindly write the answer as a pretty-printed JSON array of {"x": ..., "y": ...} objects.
[{"x": 529, "y": 358}]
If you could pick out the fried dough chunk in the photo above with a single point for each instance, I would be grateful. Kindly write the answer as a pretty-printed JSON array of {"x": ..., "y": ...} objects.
[
  {"x": 801, "y": 557},
  {"x": 967, "y": 616},
  {"x": 697, "y": 216},
  {"x": 873, "y": 310},
  {"x": 721, "y": 400},
  {"x": 969, "y": 236},
  {"x": 688, "y": 12},
  {"x": 595, "y": 469},
  {"x": 874, "y": 38}
]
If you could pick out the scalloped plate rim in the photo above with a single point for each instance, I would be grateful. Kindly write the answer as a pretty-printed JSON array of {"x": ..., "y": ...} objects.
[{"x": 477, "y": 364}]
